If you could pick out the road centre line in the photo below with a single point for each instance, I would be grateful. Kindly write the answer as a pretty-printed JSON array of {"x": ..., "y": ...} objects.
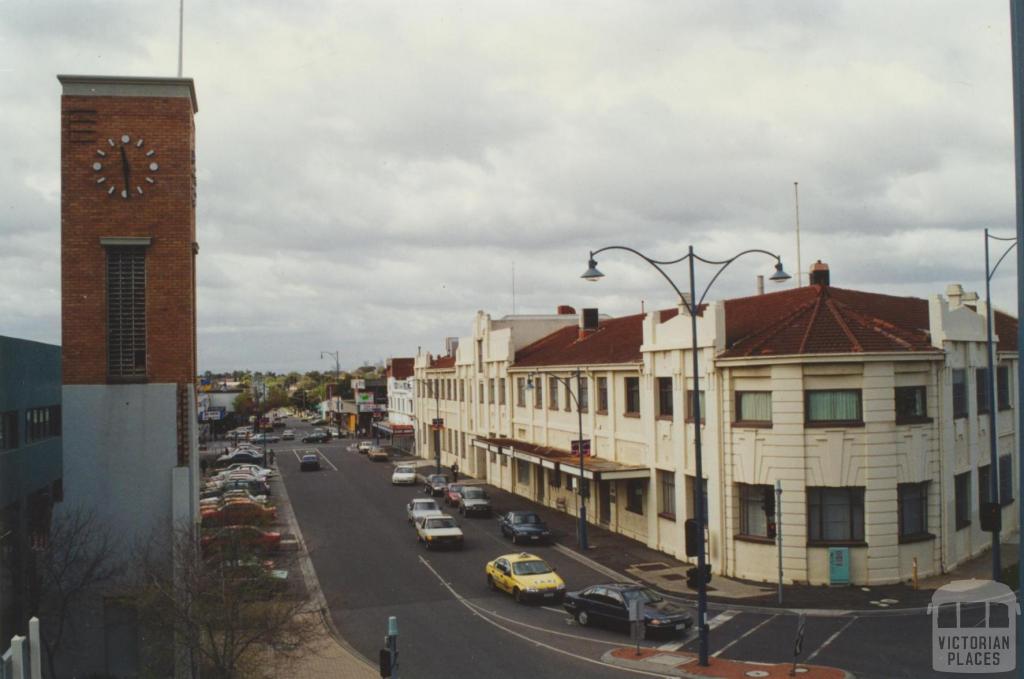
[
  {"x": 462, "y": 600},
  {"x": 743, "y": 636},
  {"x": 830, "y": 639},
  {"x": 554, "y": 610}
]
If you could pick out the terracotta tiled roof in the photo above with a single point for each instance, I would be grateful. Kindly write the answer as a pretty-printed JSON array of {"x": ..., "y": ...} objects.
[
  {"x": 616, "y": 340},
  {"x": 1006, "y": 328},
  {"x": 401, "y": 368},
  {"x": 442, "y": 362},
  {"x": 820, "y": 319}
]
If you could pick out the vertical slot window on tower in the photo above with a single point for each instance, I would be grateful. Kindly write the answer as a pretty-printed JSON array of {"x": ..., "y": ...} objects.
[{"x": 126, "y": 312}]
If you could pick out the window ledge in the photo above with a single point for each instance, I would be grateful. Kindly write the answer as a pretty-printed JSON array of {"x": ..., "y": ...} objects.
[
  {"x": 836, "y": 543},
  {"x": 759, "y": 539},
  {"x": 960, "y": 525},
  {"x": 836, "y": 423},
  {"x": 141, "y": 379},
  {"x": 914, "y": 420},
  {"x": 664, "y": 418},
  {"x": 639, "y": 512},
  {"x": 636, "y": 415},
  {"x": 751, "y": 424},
  {"x": 667, "y": 515},
  {"x": 600, "y": 412},
  {"x": 1006, "y": 503},
  {"x": 920, "y": 537}
]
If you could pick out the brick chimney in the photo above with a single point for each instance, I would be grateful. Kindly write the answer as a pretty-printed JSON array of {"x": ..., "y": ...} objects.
[
  {"x": 589, "y": 321},
  {"x": 819, "y": 274}
]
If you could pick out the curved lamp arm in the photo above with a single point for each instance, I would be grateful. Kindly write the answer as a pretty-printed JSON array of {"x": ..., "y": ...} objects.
[
  {"x": 992, "y": 272},
  {"x": 563, "y": 380},
  {"x": 653, "y": 262}
]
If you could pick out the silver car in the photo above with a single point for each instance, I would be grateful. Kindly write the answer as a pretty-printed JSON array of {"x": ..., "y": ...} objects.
[
  {"x": 419, "y": 508},
  {"x": 474, "y": 501}
]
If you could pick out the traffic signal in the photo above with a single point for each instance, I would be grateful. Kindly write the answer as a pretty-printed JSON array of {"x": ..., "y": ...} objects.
[
  {"x": 693, "y": 579},
  {"x": 991, "y": 516},
  {"x": 693, "y": 537}
]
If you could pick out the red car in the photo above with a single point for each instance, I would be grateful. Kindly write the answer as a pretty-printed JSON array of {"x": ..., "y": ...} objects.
[
  {"x": 453, "y": 494},
  {"x": 240, "y": 538},
  {"x": 238, "y": 513}
]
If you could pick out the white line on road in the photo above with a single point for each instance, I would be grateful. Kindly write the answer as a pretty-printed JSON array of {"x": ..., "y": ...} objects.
[
  {"x": 830, "y": 640},
  {"x": 554, "y": 610},
  {"x": 325, "y": 458},
  {"x": 296, "y": 454},
  {"x": 716, "y": 621},
  {"x": 593, "y": 565},
  {"x": 743, "y": 636}
]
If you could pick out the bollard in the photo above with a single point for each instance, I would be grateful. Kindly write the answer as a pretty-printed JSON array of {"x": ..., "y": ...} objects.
[
  {"x": 914, "y": 571},
  {"x": 34, "y": 644}
]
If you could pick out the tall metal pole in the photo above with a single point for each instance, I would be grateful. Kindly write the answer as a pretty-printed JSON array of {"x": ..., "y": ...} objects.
[
  {"x": 583, "y": 497},
  {"x": 181, "y": 33},
  {"x": 799, "y": 264},
  {"x": 993, "y": 414},
  {"x": 437, "y": 427},
  {"x": 778, "y": 530},
  {"x": 698, "y": 493},
  {"x": 1017, "y": 64}
]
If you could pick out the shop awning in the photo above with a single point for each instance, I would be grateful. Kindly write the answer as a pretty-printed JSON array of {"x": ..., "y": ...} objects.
[
  {"x": 562, "y": 459},
  {"x": 393, "y": 428}
]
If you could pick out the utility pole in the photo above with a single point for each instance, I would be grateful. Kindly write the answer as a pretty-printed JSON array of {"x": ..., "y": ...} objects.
[{"x": 337, "y": 385}]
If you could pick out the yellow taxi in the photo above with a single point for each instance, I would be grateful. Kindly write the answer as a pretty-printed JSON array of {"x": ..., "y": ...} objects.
[{"x": 526, "y": 577}]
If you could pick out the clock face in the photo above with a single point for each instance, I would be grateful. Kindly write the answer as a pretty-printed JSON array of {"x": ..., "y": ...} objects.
[{"x": 125, "y": 168}]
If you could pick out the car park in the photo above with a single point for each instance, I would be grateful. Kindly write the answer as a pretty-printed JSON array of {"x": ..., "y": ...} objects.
[
  {"x": 255, "y": 578},
  {"x": 244, "y": 467},
  {"x": 252, "y": 486},
  {"x": 315, "y": 437},
  {"x": 377, "y": 455},
  {"x": 288, "y": 435},
  {"x": 608, "y": 605},
  {"x": 421, "y": 507},
  {"x": 526, "y": 577},
  {"x": 435, "y": 484},
  {"x": 474, "y": 501},
  {"x": 439, "y": 531},
  {"x": 247, "y": 456},
  {"x": 310, "y": 463},
  {"x": 240, "y": 539},
  {"x": 452, "y": 494},
  {"x": 238, "y": 513},
  {"x": 404, "y": 475},
  {"x": 523, "y": 526},
  {"x": 212, "y": 500}
]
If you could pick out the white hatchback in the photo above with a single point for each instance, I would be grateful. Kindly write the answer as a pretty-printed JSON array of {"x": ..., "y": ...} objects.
[{"x": 404, "y": 476}]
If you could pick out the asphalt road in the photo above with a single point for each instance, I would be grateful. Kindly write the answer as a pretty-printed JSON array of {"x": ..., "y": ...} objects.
[{"x": 370, "y": 567}]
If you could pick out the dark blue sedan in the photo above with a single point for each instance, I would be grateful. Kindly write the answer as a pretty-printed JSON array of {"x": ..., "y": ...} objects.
[
  {"x": 608, "y": 605},
  {"x": 524, "y": 526},
  {"x": 310, "y": 463}
]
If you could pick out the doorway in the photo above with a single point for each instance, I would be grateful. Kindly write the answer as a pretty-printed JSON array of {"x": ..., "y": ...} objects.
[{"x": 605, "y": 502}]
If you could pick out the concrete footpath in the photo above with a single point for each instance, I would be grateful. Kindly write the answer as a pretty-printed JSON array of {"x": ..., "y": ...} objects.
[{"x": 678, "y": 664}]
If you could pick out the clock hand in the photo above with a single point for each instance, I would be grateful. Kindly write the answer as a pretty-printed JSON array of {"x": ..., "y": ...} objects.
[{"x": 124, "y": 170}]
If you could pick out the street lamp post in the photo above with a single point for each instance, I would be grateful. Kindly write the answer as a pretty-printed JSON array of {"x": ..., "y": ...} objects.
[
  {"x": 337, "y": 385},
  {"x": 692, "y": 306},
  {"x": 437, "y": 425},
  {"x": 582, "y": 529},
  {"x": 993, "y": 409}
]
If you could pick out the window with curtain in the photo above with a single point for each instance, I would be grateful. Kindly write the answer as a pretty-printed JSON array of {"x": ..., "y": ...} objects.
[
  {"x": 1005, "y": 479},
  {"x": 602, "y": 394},
  {"x": 538, "y": 392},
  {"x": 959, "y": 379},
  {"x": 664, "y": 397},
  {"x": 667, "y": 491},
  {"x": 962, "y": 493},
  {"x": 521, "y": 392},
  {"x": 833, "y": 406},
  {"x": 493, "y": 395},
  {"x": 757, "y": 510},
  {"x": 501, "y": 391},
  {"x": 554, "y": 478},
  {"x": 522, "y": 471},
  {"x": 981, "y": 389},
  {"x": 553, "y": 393},
  {"x": 584, "y": 394},
  {"x": 754, "y": 407},
  {"x": 835, "y": 514},
  {"x": 480, "y": 392},
  {"x": 912, "y": 501},
  {"x": 984, "y": 478},
  {"x": 911, "y": 405},
  {"x": 689, "y": 406},
  {"x": 632, "y": 388},
  {"x": 1003, "y": 387}
]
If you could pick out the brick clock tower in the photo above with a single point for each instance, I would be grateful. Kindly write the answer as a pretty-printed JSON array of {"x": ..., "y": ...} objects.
[{"x": 128, "y": 312}]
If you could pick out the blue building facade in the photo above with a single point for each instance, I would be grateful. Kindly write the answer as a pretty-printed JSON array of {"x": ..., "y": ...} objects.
[{"x": 31, "y": 462}]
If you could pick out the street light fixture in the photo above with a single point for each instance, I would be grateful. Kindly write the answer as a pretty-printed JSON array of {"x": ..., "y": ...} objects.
[
  {"x": 337, "y": 385},
  {"x": 993, "y": 409},
  {"x": 582, "y": 530},
  {"x": 692, "y": 306}
]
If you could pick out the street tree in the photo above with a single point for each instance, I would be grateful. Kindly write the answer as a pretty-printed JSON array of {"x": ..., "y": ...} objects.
[
  {"x": 76, "y": 562},
  {"x": 227, "y": 608}
]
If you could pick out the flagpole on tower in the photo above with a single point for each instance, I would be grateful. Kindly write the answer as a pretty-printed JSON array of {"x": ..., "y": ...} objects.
[{"x": 181, "y": 32}]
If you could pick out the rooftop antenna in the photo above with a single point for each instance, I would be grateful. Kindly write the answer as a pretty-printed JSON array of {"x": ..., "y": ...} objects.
[
  {"x": 799, "y": 266},
  {"x": 642, "y": 307},
  {"x": 181, "y": 32},
  {"x": 513, "y": 288}
]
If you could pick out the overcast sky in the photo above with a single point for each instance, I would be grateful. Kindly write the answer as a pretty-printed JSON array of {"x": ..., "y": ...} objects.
[{"x": 370, "y": 172}]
